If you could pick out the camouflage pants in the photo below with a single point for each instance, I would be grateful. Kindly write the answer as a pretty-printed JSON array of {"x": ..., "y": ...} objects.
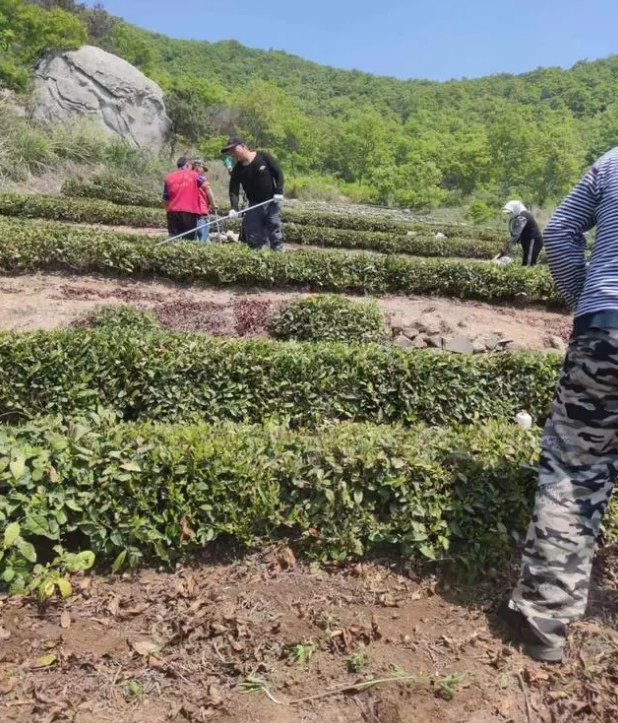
[{"x": 578, "y": 467}]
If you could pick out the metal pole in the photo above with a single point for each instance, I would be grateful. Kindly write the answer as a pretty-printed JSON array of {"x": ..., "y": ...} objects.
[{"x": 217, "y": 220}]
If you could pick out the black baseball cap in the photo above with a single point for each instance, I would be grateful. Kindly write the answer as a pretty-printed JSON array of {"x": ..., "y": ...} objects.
[{"x": 232, "y": 142}]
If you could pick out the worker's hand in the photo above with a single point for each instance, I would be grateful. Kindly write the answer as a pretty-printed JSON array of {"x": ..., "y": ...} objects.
[
  {"x": 278, "y": 197},
  {"x": 232, "y": 213}
]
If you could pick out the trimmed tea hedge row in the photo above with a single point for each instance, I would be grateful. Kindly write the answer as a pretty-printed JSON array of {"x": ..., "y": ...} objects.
[
  {"x": 302, "y": 235},
  {"x": 61, "y": 208},
  {"x": 386, "y": 225},
  {"x": 83, "y": 189},
  {"x": 145, "y": 493},
  {"x": 173, "y": 377},
  {"x": 388, "y": 243},
  {"x": 41, "y": 231},
  {"x": 75, "y": 188},
  {"x": 306, "y": 269}
]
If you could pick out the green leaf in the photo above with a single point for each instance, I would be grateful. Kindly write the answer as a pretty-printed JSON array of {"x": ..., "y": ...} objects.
[
  {"x": 26, "y": 549},
  {"x": 39, "y": 525},
  {"x": 64, "y": 586},
  {"x": 427, "y": 552},
  {"x": 131, "y": 466},
  {"x": 11, "y": 534},
  {"x": 80, "y": 561},
  {"x": 18, "y": 466},
  {"x": 119, "y": 562},
  {"x": 8, "y": 575}
]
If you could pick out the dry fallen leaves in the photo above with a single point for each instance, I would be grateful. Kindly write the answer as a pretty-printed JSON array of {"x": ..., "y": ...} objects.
[
  {"x": 146, "y": 647},
  {"x": 8, "y": 686}
]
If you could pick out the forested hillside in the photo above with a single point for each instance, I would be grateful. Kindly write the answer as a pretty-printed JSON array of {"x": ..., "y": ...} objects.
[{"x": 411, "y": 143}]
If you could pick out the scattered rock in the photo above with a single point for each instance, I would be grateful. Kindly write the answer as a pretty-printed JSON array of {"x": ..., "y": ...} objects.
[
  {"x": 428, "y": 325},
  {"x": 445, "y": 327},
  {"x": 478, "y": 346},
  {"x": 397, "y": 324},
  {"x": 411, "y": 332},
  {"x": 458, "y": 344},
  {"x": 231, "y": 236},
  {"x": 489, "y": 342},
  {"x": 403, "y": 342},
  {"x": 439, "y": 235},
  {"x": 419, "y": 343},
  {"x": 556, "y": 342},
  {"x": 433, "y": 340}
]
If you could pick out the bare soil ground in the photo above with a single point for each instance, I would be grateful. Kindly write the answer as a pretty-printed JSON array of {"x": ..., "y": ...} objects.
[
  {"x": 271, "y": 640},
  {"x": 48, "y": 301}
]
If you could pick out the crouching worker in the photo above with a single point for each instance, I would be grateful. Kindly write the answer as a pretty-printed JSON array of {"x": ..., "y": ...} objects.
[{"x": 523, "y": 230}]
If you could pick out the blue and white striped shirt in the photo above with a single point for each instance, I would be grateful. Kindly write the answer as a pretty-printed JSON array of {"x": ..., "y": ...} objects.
[{"x": 594, "y": 201}]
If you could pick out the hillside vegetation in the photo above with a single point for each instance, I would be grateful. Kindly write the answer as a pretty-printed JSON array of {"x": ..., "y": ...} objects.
[{"x": 410, "y": 143}]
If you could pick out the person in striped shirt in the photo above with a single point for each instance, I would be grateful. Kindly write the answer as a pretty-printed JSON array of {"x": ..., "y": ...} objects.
[{"x": 579, "y": 458}]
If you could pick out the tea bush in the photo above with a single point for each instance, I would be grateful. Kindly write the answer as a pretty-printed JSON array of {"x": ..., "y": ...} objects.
[
  {"x": 121, "y": 194},
  {"x": 175, "y": 377},
  {"x": 62, "y": 208},
  {"x": 328, "y": 318},
  {"x": 349, "y": 221},
  {"x": 122, "y": 316},
  {"x": 389, "y": 243},
  {"x": 134, "y": 494},
  {"x": 335, "y": 271}
]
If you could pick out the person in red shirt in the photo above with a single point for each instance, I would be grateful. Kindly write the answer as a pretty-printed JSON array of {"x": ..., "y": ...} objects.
[
  {"x": 207, "y": 201},
  {"x": 181, "y": 197}
]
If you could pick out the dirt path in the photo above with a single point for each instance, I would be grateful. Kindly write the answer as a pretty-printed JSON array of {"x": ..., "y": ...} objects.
[
  {"x": 48, "y": 301},
  {"x": 193, "y": 646}
]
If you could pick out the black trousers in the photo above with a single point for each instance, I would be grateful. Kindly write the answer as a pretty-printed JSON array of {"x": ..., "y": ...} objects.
[
  {"x": 180, "y": 222},
  {"x": 530, "y": 251}
]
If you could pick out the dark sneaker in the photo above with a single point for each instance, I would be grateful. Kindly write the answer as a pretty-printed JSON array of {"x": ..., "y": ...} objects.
[{"x": 534, "y": 645}]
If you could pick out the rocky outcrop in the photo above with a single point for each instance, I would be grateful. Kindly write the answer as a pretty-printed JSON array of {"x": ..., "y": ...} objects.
[{"x": 91, "y": 82}]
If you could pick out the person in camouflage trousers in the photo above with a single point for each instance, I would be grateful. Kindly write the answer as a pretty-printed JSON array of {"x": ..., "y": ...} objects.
[{"x": 579, "y": 459}]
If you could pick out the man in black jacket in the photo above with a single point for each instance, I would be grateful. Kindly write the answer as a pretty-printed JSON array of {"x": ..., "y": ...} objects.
[{"x": 261, "y": 178}]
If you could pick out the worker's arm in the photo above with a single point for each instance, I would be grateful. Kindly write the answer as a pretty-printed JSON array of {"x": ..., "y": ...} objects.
[
  {"x": 277, "y": 174},
  {"x": 565, "y": 243},
  {"x": 234, "y": 189},
  {"x": 211, "y": 197},
  {"x": 517, "y": 227}
]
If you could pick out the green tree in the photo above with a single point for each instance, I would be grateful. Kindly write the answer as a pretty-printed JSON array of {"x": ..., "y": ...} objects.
[
  {"x": 362, "y": 144},
  {"x": 28, "y": 31}
]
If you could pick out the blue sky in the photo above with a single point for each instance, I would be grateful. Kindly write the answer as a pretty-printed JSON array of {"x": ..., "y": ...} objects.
[{"x": 434, "y": 39}]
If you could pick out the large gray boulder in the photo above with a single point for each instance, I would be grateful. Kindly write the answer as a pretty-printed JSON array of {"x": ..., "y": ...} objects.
[{"x": 91, "y": 82}]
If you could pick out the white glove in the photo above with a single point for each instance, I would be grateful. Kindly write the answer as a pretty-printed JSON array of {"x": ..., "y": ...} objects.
[
  {"x": 278, "y": 197},
  {"x": 232, "y": 213}
]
